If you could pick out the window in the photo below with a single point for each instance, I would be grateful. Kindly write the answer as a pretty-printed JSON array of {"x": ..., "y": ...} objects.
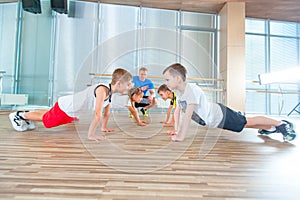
[
  {"x": 57, "y": 51},
  {"x": 271, "y": 46}
]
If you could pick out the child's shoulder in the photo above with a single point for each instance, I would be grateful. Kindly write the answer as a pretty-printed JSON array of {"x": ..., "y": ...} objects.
[
  {"x": 193, "y": 88},
  {"x": 101, "y": 87}
]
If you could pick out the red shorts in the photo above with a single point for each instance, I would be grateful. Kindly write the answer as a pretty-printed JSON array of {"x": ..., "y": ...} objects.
[{"x": 55, "y": 117}]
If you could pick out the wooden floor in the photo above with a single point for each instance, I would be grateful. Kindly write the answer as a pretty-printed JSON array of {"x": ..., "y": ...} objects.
[{"x": 142, "y": 163}]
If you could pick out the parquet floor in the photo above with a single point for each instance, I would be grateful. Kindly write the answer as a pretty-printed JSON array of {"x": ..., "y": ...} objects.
[{"x": 142, "y": 163}]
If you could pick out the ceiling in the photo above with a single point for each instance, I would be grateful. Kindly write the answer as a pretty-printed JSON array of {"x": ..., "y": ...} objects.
[{"x": 282, "y": 10}]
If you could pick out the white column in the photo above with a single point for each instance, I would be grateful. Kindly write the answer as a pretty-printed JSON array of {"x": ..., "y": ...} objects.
[{"x": 232, "y": 54}]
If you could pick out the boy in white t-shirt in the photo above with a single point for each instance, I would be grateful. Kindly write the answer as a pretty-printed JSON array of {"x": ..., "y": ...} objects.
[
  {"x": 68, "y": 108},
  {"x": 191, "y": 99}
]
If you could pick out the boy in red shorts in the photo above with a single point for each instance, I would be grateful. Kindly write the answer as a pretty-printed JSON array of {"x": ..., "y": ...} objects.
[{"x": 68, "y": 108}]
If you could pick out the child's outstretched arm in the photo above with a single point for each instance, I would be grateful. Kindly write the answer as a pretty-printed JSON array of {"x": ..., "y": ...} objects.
[
  {"x": 185, "y": 124},
  {"x": 101, "y": 94},
  {"x": 176, "y": 121},
  {"x": 136, "y": 116},
  {"x": 169, "y": 113},
  {"x": 105, "y": 120},
  {"x": 166, "y": 122}
]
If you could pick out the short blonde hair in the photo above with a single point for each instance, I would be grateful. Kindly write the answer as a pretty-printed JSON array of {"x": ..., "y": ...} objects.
[
  {"x": 176, "y": 69},
  {"x": 144, "y": 69},
  {"x": 121, "y": 75}
]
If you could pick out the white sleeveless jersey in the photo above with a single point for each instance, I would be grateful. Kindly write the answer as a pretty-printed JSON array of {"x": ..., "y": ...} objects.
[{"x": 82, "y": 102}]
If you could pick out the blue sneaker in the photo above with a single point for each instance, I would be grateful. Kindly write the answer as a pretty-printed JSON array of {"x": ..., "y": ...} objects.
[
  {"x": 287, "y": 131},
  {"x": 265, "y": 132},
  {"x": 289, "y": 123}
]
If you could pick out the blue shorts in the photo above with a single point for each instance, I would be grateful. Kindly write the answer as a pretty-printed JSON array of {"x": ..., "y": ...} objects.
[{"x": 232, "y": 120}]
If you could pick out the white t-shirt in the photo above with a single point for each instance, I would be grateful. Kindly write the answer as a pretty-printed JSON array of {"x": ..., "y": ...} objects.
[
  {"x": 81, "y": 102},
  {"x": 205, "y": 113}
]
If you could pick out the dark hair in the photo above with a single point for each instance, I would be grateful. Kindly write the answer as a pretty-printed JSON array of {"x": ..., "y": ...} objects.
[
  {"x": 132, "y": 92},
  {"x": 176, "y": 70},
  {"x": 163, "y": 88}
]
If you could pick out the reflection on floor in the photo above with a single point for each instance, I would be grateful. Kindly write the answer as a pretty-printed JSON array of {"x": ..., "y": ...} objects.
[{"x": 141, "y": 163}]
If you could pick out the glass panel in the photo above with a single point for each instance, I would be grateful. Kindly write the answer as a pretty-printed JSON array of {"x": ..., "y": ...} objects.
[
  {"x": 255, "y": 26},
  {"x": 283, "y": 103},
  {"x": 283, "y": 52},
  {"x": 255, "y": 56},
  {"x": 8, "y": 24},
  {"x": 35, "y": 55},
  {"x": 159, "y": 18},
  {"x": 74, "y": 46},
  {"x": 283, "y": 28},
  {"x": 255, "y": 64},
  {"x": 197, "y": 53},
  {"x": 284, "y": 55},
  {"x": 198, "y": 20},
  {"x": 158, "y": 40},
  {"x": 119, "y": 26},
  {"x": 252, "y": 105}
]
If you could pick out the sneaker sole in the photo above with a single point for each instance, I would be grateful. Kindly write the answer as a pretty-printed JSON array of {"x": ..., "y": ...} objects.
[
  {"x": 266, "y": 133},
  {"x": 12, "y": 119},
  {"x": 289, "y": 137}
]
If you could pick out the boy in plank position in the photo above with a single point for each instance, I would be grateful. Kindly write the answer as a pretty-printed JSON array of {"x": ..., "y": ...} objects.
[
  {"x": 191, "y": 99},
  {"x": 165, "y": 94},
  {"x": 68, "y": 108},
  {"x": 135, "y": 96}
]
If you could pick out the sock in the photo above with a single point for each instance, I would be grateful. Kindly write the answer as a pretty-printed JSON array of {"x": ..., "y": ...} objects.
[
  {"x": 282, "y": 122},
  {"x": 273, "y": 128},
  {"x": 21, "y": 114}
]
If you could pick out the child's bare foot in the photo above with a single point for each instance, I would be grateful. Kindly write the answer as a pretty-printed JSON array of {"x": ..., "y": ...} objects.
[
  {"x": 172, "y": 132},
  {"x": 168, "y": 125}
]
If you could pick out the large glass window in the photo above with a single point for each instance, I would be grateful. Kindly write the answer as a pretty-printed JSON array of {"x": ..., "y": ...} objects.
[
  {"x": 35, "y": 55},
  {"x": 8, "y": 31},
  {"x": 255, "y": 61},
  {"x": 75, "y": 38},
  {"x": 198, "y": 50},
  {"x": 118, "y": 37},
  {"x": 159, "y": 39},
  {"x": 271, "y": 46},
  {"x": 57, "y": 52}
]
